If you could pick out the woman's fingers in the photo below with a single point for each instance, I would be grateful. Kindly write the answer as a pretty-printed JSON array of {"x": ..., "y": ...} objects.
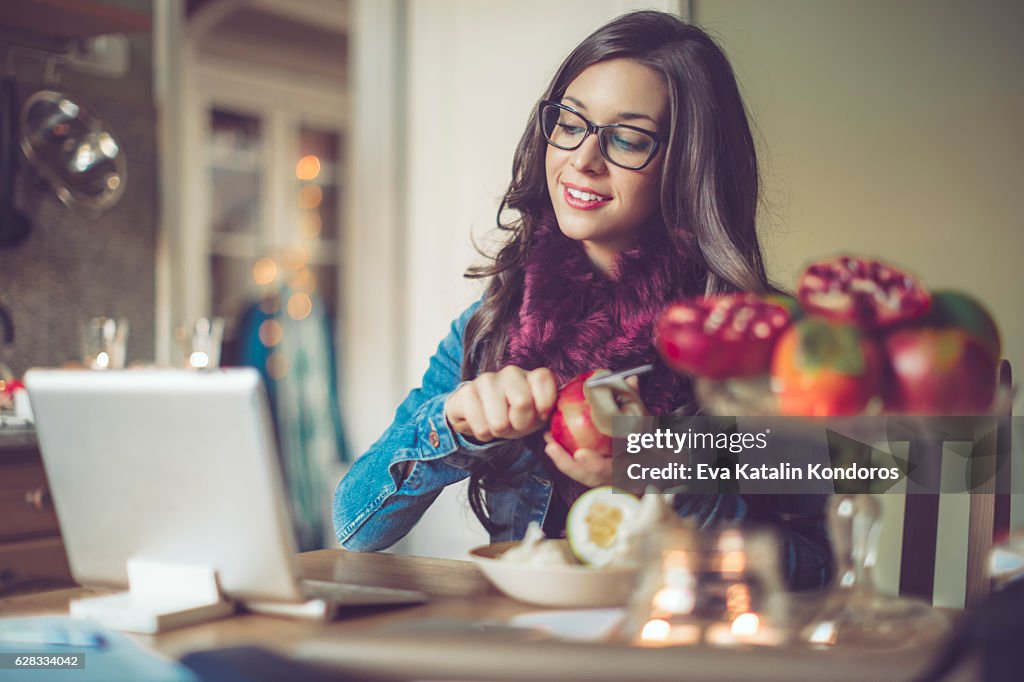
[
  {"x": 560, "y": 456},
  {"x": 589, "y": 467},
  {"x": 493, "y": 402},
  {"x": 544, "y": 391},
  {"x": 510, "y": 403},
  {"x": 594, "y": 467},
  {"x": 472, "y": 411},
  {"x": 522, "y": 411}
]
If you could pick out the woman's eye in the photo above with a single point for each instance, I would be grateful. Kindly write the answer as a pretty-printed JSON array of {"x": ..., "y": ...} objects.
[
  {"x": 631, "y": 142},
  {"x": 569, "y": 129}
]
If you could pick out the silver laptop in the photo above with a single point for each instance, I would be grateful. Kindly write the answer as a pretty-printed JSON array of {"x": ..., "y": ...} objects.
[{"x": 179, "y": 467}]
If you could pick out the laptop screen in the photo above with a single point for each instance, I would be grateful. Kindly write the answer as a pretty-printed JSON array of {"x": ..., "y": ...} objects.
[{"x": 172, "y": 466}]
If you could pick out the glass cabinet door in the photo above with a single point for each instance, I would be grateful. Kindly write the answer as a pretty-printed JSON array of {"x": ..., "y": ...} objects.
[
  {"x": 235, "y": 163},
  {"x": 318, "y": 211},
  {"x": 274, "y": 219}
]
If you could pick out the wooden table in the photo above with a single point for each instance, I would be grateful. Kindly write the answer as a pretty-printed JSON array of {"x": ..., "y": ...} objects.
[{"x": 442, "y": 639}]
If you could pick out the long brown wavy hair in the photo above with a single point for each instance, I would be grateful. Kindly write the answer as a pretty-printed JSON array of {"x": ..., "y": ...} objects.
[{"x": 709, "y": 194}]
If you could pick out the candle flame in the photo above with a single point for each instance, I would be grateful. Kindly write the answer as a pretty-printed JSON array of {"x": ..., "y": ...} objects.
[{"x": 745, "y": 624}]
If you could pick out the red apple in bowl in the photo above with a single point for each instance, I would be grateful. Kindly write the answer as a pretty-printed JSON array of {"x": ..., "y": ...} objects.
[
  {"x": 945, "y": 372},
  {"x": 583, "y": 416},
  {"x": 958, "y": 310}
]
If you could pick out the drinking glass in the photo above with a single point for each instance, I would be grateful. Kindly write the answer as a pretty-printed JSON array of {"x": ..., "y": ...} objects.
[
  {"x": 854, "y": 614},
  {"x": 104, "y": 342},
  {"x": 200, "y": 342}
]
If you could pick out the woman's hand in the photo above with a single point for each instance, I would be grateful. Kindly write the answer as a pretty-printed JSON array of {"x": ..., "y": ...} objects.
[
  {"x": 510, "y": 403},
  {"x": 589, "y": 467}
]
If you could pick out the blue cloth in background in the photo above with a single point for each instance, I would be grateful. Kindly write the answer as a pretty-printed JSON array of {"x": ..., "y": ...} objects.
[
  {"x": 251, "y": 351},
  {"x": 110, "y": 656},
  {"x": 300, "y": 373}
]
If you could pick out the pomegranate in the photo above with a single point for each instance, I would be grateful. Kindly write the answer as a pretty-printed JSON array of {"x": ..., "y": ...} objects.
[
  {"x": 721, "y": 336},
  {"x": 583, "y": 416},
  {"x": 869, "y": 292},
  {"x": 939, "y": 372},
  {"x": 824, "y": 368}
]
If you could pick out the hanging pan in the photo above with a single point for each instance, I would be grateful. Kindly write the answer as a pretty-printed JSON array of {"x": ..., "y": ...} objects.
[{"x": 73, "y": 150}]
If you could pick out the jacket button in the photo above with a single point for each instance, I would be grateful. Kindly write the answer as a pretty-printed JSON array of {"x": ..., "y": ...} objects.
[{"x": 435, "y": 440}]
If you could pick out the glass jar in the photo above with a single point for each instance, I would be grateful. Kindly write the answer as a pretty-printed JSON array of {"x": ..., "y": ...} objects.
[{"x": 720, "y": 587}]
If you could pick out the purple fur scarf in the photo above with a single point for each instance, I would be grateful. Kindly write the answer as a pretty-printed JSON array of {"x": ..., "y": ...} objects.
[{"x": 573, "y": 318}]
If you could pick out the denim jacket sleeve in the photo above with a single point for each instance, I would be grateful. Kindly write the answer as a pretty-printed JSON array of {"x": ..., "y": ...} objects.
[{"x": 376, "y": 503}]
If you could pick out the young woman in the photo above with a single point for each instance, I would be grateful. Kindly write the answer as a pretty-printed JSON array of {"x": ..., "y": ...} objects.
[{"x": 634, "y": 184}]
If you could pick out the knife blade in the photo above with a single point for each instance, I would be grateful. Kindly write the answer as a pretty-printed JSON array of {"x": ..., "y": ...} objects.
[{"x": 615, "y": 376}]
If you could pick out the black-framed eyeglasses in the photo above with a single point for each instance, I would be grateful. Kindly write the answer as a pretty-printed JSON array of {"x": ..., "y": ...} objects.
[{"x": 624, "y": 145}]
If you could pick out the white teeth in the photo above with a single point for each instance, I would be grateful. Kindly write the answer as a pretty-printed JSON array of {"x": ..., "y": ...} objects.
[{"x": 584, "y": 196}]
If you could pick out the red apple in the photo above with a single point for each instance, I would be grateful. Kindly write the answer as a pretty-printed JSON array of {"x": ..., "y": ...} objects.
[
  {"x": 955, "y": 309},
  {"x": 939, "y": 372},
  {"x": 583, "y": 415}
]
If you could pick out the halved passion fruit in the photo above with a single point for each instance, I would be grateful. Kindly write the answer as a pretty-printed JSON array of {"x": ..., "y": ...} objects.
[{"x": 597, "y": 521}]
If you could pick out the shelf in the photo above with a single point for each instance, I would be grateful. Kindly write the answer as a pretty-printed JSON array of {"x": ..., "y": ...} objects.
[
  {"x": 240, "y": 159},
  {"x": 249, "y": 248},
  {"x": 53, "y": 25},
  {"x": 326, "y": 178}
]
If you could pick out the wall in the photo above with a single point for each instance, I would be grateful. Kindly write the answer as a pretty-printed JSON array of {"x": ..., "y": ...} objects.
[
  {"x": 891, "y": 129},
  {"x": 75, "y": 265}
]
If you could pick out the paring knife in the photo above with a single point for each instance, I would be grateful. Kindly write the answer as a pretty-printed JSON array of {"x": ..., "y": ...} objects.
[{"x": 615, "y": 376}]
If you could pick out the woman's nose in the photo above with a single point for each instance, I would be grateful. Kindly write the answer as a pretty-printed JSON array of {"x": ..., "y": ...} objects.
[{"x": 587, "y": 157}]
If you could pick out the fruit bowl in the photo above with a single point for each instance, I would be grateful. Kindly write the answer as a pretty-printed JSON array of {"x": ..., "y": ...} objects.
[
  {"x": 861, "y": 338},
  {"x": 575, "y": 586},
  {"x": 753, "y": 397}
]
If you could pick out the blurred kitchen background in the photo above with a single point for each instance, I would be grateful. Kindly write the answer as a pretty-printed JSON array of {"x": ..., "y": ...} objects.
[{"x": 333, "y": 158}]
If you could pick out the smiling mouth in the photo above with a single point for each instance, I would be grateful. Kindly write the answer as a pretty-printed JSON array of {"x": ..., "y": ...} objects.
[
  {"x": 581, "y": 199},
  {"x": 585, "y": 196}
]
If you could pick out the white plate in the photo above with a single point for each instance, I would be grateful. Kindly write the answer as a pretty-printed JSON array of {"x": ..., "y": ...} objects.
[
  {"x": 583, "y": 625},
  {"x": 557, "y": 586}
]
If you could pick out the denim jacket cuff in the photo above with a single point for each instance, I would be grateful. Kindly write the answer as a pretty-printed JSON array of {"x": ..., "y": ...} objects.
[
  {"x": 435, "y": 440},
  {"x": 470, "y": 446}
]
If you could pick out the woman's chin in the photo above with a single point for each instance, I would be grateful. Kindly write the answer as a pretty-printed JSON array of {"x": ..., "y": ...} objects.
[{"x": 579, "y": 228}]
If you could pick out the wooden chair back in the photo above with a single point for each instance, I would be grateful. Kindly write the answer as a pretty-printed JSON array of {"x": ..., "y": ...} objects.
[{"x": 989, "y": 520}]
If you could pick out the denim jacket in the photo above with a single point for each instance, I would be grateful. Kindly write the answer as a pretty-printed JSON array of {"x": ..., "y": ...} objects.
[{"x": 377, "y": 503}]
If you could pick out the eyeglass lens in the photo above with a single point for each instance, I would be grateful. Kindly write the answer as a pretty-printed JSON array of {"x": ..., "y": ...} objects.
[{"x": 622, "y": 146}]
